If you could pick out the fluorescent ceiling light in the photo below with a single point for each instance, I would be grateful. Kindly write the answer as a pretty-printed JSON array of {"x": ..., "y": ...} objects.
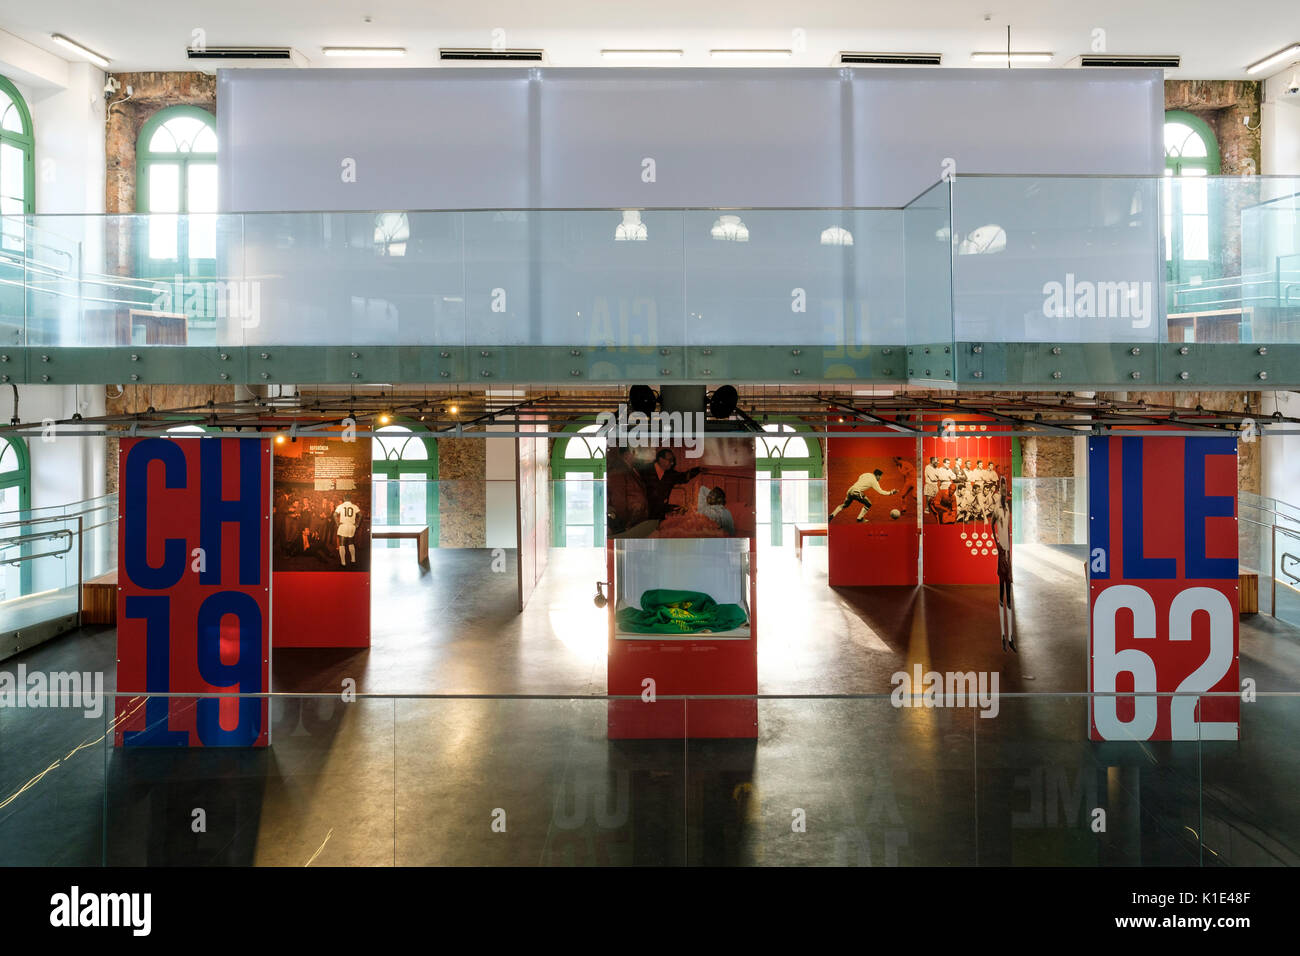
[
  {"x": 641, "y": 54},
  {"x": 750, "y": 54},
  {"x": 363, "y": 50},
  {"x": 1275, "y": 59},
  {"x": 75, "y": 47},
  {"x": 1013, "y": 57}
]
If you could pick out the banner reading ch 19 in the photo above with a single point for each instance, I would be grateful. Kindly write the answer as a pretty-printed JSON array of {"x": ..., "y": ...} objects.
[{"x": 193, "y": 600}]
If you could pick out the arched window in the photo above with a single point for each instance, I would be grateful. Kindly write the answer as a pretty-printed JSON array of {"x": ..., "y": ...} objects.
[
  {"x": 176, "y": 181},
  {"x": 404, "y": 463},
  {"x": 15, "y": 502},
  {"x": 578, "y": 489},
  {"x": 790, "y": 488},
  {"x": 17, "y": 167},
  {"x": 1191, "y": 155}
]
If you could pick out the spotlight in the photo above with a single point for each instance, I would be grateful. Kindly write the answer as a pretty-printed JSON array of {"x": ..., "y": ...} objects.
[
  {"x": 723, "y": 402},
  {"x": 453, "y": 410},
  {"x": 279, "y": 439},
  {"x": 384, "y": 418},
  {"x": 643, "y": 399}
]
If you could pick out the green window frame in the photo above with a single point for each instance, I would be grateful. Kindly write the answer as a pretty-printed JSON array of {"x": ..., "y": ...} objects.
[
  {"x": 21, "y": 141},
  {"x": 148, "y": 163},
  {"x": 772, "y": 458},
  {"x": 1190, "y": 217},
  {"x": 561, "y": 467},
  {"x": 19, "y": 477},
  {"x": 391, "y": 467}
]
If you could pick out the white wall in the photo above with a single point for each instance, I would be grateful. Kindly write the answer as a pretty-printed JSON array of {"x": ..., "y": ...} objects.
[
  {"x": 502, "y": 503},
  {"x": 1280, "y": 455},
  {"x": 70, "y": 157},
  {"x": 1280, "y": 117}
]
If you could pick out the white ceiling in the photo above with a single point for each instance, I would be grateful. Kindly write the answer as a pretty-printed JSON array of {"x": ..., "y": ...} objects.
[{"x": 1217, "y": 40}]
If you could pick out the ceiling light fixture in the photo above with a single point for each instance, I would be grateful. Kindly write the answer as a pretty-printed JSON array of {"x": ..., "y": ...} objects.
[
  {"x": 1005, "y": 57},
  {"x": 95, "y": 58},
  {"x": 836, "y": 236},
  {"x": 1274, "y": 59},
  {"x": 730, "y": 229},
  {"x": 641, "y": 54},
  {"x": 363, "y": 50},
  {"x": 631, "y": 229},
  {"x": 750, "y": 54}
]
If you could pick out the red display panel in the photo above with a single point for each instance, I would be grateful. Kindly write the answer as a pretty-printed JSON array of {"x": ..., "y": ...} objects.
[
  {"x": 1162, "y": 587},
  {"x": 964, "y": 472},
  {"x": 193, "y": 603},
  {"x": 872, "y": 500},
  {"x": 658, "y": 508},
  {"x": 321, "y": 542}
]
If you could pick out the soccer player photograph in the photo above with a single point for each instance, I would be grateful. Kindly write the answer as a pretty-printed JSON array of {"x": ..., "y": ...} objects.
[{"x": 858, "y": 492}]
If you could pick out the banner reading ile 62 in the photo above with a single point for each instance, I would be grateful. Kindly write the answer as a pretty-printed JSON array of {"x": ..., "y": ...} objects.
[{"x": 1162, "y": 588}]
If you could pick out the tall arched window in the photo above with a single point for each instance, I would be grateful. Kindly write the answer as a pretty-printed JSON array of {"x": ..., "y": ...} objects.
[
  {"x": 1191, "y": 155},
  {"x": 578, "y": 489},
  {"x": 176, "y": 180},
  {"x": 404, "y": 462},
  {"x": 17, "y": 167},
  {"x": 15, "y": 502},
  {"x": 790, "y": 488}
]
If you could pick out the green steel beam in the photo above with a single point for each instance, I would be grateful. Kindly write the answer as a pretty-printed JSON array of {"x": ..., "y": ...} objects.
[{"x": 975, "y": 366}]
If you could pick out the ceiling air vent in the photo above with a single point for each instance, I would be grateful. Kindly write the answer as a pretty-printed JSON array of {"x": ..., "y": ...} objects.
[
  {"x": 488, "y": 55},
  {"x": 890, "y": 59},
  {"x": 1170, "y": 62},
  {"x": 243, "y": 53}
]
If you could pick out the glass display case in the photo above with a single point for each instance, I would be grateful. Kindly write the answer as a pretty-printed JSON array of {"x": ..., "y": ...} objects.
[{"x": 682, "y": 588}]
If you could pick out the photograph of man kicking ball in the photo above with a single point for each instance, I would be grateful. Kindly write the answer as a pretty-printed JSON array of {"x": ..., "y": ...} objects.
[{"x": 858, "y": 492}]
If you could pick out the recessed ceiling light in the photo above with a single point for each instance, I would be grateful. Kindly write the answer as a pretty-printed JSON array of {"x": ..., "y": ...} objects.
[
  {"x": 750, "y": 54},
  {"x": 1003, "y": 57},
  {"x": 641, "y": 54},
  {"x": 1274, "y": 59},
  {"x": 75, "y": 47},
  {"x": 363, "y": 50}
]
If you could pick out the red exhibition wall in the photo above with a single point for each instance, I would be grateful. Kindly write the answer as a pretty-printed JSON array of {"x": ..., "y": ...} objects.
[
  {"x": 1162, "y": 587},
  {"x": 321, "y": 542},
  {"x": 193, "y": 602},
  {"x": 957, "y": 527},
  {"x": 690, "y": 527},
  {"x": 874, "y": 536}
]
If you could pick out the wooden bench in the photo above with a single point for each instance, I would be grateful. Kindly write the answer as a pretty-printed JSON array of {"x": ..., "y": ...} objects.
[
  {"x": 1248, "y": 592},
  {"x": 99, "y": 599},
  {"x": 418, "y": 534},
  {"x": 802, "y": 531}
]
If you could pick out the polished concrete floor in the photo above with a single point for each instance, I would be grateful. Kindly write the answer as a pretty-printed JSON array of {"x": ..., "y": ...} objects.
[{"x": 849, "y": 781}]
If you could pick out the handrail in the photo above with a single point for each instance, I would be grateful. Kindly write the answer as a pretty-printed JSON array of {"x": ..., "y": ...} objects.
[{"x": 63, "y": 533}]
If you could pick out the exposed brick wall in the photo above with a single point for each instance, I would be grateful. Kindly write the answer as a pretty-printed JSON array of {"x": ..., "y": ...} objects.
[
  {"x": 138, "y": 398},
  {"x": 1248, "y": 459},
  {"x": 462, "y": 492},
  {"x": 151, "y": 92},
  {"x": 1225, "y": 105},
  {"x": 1047, "y": 457}
]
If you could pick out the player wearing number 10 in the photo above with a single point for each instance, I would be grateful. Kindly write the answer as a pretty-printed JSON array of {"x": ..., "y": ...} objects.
[{"x": 347, "y": 515}]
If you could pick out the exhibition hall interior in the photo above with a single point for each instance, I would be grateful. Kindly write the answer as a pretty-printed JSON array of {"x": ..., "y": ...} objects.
[{"x": 775, "y": 435}]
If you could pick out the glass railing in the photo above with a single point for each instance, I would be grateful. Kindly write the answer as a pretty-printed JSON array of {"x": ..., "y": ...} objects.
[
  {"x": 47, "y": 556},
  {"x": 1009, "y": 779},
  {"x": 1016, "y": 279}
]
